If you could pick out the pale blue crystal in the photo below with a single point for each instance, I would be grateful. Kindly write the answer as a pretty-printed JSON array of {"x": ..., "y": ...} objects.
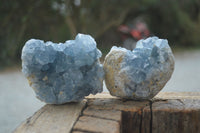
[
  {"x": 63, "y": 72},
  {"x": 141, "y": 73}
]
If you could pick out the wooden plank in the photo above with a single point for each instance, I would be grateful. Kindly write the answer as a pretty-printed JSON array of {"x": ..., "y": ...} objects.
[
  {"x": 167, "y": 112},
  {"x": 172, "y": 115},
  {"x": 146, "y": 122},
  {"x": 160, "y": 95},
  {"x": 131, "y": 121},
  {"x": 116, "y": 104},
  {"x": 176, "y": 116},
  {"x": 178, "y": 95},
  {"x": 96, "y": 125},
  {"x": 52, "y": 119},
  {"x": 130, "y": 116},
  {"x": 104, "y": 114}
]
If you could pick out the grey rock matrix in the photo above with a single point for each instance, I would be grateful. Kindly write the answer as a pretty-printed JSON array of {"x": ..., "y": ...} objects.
[{"x": 141, "y": 73}]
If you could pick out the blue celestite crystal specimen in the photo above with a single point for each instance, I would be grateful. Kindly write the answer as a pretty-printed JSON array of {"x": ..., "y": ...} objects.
[
  {"x": 63, "y": 72},
  {"x": 141, "y": 73}
]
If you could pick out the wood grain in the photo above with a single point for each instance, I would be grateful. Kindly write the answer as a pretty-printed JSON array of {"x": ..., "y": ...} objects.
[
  {"x": 168, "y": 112},
  {"x": 52, "y": 119}
]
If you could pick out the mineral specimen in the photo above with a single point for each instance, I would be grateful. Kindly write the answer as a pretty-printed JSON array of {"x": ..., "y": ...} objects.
[
  {"x": 63, "y": 72},
  {"x": 141, "y": 73}
]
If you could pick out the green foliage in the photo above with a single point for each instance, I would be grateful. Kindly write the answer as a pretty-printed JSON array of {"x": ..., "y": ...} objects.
[
  {"x": 59, "y": 20},
  {"x": 176, "y": 20},
  {"x": 21, "y": 20}
]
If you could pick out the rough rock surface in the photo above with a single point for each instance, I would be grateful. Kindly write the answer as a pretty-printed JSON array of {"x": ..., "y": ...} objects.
[
  {"x": 63, "y": 72},
  {"x": 141, "y": 73}
]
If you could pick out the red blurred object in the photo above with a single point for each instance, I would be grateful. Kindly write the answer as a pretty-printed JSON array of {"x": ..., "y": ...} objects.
[
  {"x": 137, "y": 31},
  {"x": 136, "y": 34},
  {"x": 133, "y": 32}
]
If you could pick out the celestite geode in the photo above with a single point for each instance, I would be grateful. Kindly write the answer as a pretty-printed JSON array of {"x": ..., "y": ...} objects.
[
  {"x": 63, "y": 72},
  {"x": 141, "y": 73}
]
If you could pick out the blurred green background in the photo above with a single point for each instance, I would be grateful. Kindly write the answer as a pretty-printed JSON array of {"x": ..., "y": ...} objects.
[{"x": 60, "y": 20}]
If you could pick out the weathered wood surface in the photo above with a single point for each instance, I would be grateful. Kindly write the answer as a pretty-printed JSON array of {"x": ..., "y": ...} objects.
[
  {"x": 95, "y": 124},
  {"x": 53, "y": 119},
  {"x": 168, "y": 112},
  {"x": 178, "y": 95}
]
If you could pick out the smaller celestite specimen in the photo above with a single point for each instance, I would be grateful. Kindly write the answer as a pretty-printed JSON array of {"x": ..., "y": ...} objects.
[
  {"x": 141, "y": 73},
  {"x": 64, "y": 72}
]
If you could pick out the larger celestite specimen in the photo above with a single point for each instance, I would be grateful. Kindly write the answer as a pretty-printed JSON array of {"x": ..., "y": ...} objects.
[
  {"x": 63, "y": 72},
  {"x": 141, "y": 73}
]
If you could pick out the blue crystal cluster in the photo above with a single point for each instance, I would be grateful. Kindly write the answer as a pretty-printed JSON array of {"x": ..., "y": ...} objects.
[
  {"x": 63, "y": 72},
  {"x": 141, "y": 73}
]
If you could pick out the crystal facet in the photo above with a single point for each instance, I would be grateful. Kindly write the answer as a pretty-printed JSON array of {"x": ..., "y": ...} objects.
[
  {"x": 141, "y": 73},
  {"x": 63, "y": 72}
]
